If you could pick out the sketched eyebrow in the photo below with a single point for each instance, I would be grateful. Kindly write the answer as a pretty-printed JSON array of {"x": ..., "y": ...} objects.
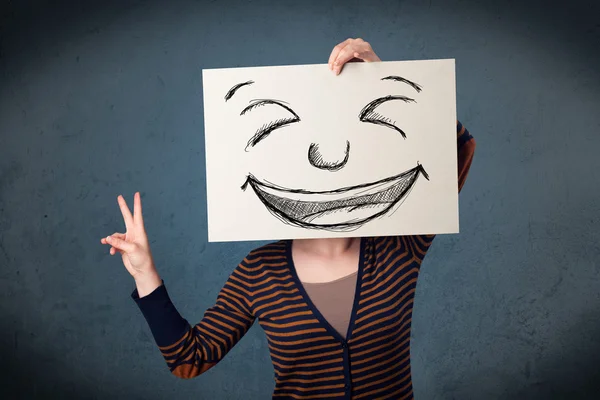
[
  {"x": 232, "y": 91},
  {"x": 261, "y": 102},
  {"x": 368, "y": 114},
  {"x": 395, "y": 78},
  {"x": 266, "y": 129}
]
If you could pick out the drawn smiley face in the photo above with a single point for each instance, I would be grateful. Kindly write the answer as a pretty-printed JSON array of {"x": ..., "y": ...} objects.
[{"x": 339, "y": 209}]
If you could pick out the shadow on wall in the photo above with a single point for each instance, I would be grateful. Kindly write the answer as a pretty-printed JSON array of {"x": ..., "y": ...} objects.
[
  {"x": 25, "y": 374},
  {"x": 571, "y": 369},
  {"x": 568, "y": 368}
]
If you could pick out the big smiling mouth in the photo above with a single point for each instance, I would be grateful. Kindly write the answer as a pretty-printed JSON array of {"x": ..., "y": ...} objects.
[{"x": 341, "y": 209}]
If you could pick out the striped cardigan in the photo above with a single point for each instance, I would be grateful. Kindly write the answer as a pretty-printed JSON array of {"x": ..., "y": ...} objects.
[{"x": 311, "y": 359}]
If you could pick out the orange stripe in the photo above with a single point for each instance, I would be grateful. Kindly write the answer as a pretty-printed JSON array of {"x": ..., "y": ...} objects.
[
  {"x": 214, "y": 338},
  {"x": 262, "y": 282},
  {"x": 397, "y": 392},
  {"x": 233, "y": 310},
  {"x": 382, "y": 243},
  {"x": 389, "y": 266},
  {"x": 311, "y": 388},
  {"x": 423, "y": 243},
  {"x": 296, "y": 314},
  {"x": 215, "y": 328},
  {"x": 264, "y": 253},
  {"x": 320, "y": 355},
  {"x": 393, "y": 316},
  {"x": 333, "y": 378},
  {"x": 235, "y": 298},
  {"x": 389, "y": 277},
  {"x": 385, "y": 344},
  {"x": 257, "y": 309},
  {"x": 315, "y": 396},
  {"x": 262, "y": 274},
  {"x": 297, "y": 333},
  {"x": 373, "y": 366},
  {"x": 374, "y": 383},
  {"x": 274, "y": 294},
  {"x": 275, "y": 285},
  {"x": 187, "y": 371},
  {"x": 306, "y": 350},
  {"x": 218, "y": 310},
  {"x": 381, "y": 371},
  {"x": 386, "y": 337},
  {"x": 309, "y": 373},
  {"x": 417, "y": 250},
  {"x": 402, "y": 328},
  {"x": 270, "y": 312},
  {"x": 310, "y": 364},
  {"x": 186, "y": 346},
  {"x": 403, "y": 388},
  {"x": 169, "y": 347},
  {"x": 235, "y": 304},
  {"x": 377, "y": 303},
  {"x": 233, "y": 285},
  {"x": 293, "y": 343},
  {"x": 262, "y": 266},
  {"x": 286, "y": 325}
]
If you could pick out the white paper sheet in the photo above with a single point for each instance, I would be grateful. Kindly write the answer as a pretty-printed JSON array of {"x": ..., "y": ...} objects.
[{"x": 370, "y": 152}]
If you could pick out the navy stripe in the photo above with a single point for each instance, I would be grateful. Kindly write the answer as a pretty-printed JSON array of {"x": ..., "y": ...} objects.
[
  {"x": 464, "y": 139},
  {"x": 310, "y": 357}
]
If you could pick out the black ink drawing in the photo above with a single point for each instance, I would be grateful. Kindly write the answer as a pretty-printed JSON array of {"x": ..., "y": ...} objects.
[
  {"x": 301, "y": 207},
  {"x": 315, "y": 158},
  {"x": 234, "y": 89},
  {"x": 266, "y": 129},
  {"x": 415, "y": 86},
  {"x": 343, "y": 209},
  {"x": 367, "y": 114}
]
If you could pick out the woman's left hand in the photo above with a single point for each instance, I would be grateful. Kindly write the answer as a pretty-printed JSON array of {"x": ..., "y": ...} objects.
[{"x": 348, "y": 50}]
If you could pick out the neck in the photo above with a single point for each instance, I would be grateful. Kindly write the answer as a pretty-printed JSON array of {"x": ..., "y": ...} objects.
[{"x": 330, "y": 247}]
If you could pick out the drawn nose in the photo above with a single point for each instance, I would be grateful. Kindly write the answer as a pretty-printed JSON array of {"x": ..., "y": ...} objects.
[{"x": 317, "y": 160}]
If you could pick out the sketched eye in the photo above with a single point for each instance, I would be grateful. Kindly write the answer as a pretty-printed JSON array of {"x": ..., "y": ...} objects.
[
  {"x": 368, "y": 113},
  {"x": 266, "y": 129}
]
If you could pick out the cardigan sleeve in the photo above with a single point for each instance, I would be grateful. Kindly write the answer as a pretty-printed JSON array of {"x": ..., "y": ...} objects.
[{"x": 192, "y": 350}]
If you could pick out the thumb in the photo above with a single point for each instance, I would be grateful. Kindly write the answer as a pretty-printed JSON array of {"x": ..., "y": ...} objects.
[{"x": 121, "y": 244}]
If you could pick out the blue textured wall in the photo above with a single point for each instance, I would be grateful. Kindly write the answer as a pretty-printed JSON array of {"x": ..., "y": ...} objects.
[{"x": 105, "y": 98}]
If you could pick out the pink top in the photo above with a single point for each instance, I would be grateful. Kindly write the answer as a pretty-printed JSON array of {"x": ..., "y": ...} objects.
[{"x": 334, "y": 300}]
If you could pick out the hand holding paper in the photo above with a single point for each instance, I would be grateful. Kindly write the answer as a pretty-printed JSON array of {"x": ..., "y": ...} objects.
[
  {"x": 348, "y": 50},
  {"x": 299, "y": 152}
]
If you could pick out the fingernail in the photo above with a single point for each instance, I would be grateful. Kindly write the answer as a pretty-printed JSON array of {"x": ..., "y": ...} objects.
[{"x": 108, "y": 239}]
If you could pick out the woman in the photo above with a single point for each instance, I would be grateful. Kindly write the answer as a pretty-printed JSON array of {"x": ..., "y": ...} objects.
[{"x": 337, "y": 312}]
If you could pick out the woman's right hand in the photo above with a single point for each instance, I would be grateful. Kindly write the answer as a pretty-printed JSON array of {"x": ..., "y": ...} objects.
[{"x": 134, "y": 248}]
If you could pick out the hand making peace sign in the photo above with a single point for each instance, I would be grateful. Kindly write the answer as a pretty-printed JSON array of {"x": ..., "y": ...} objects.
[{"x": 134, "y": 247}]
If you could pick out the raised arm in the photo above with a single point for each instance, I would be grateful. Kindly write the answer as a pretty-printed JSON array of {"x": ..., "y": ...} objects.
[
  {"x": 465, "y": 145},
  {"x": 188, "y": 350},
  {"x": 192, "y": 350}
]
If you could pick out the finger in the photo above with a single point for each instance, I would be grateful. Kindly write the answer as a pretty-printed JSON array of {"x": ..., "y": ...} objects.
[
  {"x": 367, "y": 55},
  {"x": 120, "y": 244},
  {"x": 114, "y": 251},
  {"x": 345, "y": 55},
  {"x": 137, "y": 209},
  {"x": 336, "y": 50},
  {"x": 126, "y": 213},
  {"x": 116, "y": 234}
]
